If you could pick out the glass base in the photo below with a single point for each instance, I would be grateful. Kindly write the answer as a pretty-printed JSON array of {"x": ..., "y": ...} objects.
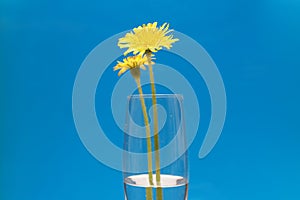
[{"x": 173, "y": 187}]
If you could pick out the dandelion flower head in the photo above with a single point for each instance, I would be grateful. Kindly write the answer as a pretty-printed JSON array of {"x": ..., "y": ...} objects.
[
  {"x": 131, "y": 63},
  {"x": 147, "y": 38}
]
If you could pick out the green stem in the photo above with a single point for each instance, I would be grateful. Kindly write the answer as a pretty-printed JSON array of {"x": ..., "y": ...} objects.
[
  {"x": 159, "y": 194},
  {"x": 149, "y": 195}
]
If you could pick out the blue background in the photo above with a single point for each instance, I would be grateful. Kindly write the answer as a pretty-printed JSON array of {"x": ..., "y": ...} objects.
[{"x": 255, "y": 45}]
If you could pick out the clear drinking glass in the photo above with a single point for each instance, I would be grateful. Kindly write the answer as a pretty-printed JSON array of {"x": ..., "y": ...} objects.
[{"x": 169, "y": 159}]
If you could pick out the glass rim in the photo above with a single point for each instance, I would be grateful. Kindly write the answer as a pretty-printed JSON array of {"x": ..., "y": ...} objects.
[{"x": 158, "y": 96}]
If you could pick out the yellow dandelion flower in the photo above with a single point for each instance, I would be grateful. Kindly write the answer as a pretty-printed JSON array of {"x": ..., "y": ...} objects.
[
  {"x": 147, "y": 38},
  {"x": 131, "y": 63}
]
